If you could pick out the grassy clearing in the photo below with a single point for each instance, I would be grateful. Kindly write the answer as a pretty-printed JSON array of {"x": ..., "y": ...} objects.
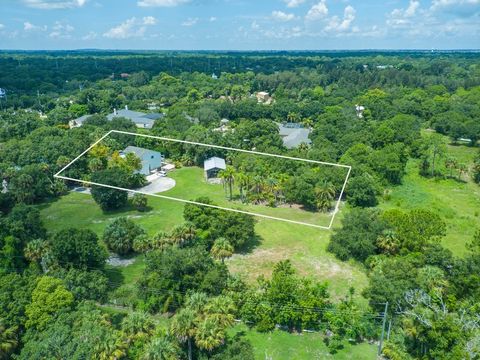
[
  {"x": 281, "y": 345},
  {"x": 191, "y": 185},
  {"x": 305, "y": 246},
  {"x": 457, "y": 202}
]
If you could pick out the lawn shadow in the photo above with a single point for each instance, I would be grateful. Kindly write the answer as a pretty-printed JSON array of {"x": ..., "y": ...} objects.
[
  {"x": 115, "y": 277},
  {"x": 146, "y": 209},
  {"x": 250, "y": 245},
  {"x": 48, "y": 202}
]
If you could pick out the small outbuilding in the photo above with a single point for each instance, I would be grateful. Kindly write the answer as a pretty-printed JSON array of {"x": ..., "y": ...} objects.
[
  {"x": 213, "y": 166},
  {"x": 151, "y": 160}
]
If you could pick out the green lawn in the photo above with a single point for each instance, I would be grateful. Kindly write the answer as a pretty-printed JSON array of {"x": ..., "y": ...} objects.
[
  {"x": 457, "y": 202},
  {"x": 281, "y": 345},
  {"x": 191, "y": 184},
  {"x": 305, "y": 246}
]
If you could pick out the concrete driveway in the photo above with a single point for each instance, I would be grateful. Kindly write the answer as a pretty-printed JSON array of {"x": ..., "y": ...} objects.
[{"x": 157, "y": 184}]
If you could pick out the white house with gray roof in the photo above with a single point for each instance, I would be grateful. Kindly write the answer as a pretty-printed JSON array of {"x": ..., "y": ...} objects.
[
  {"x": 294, "y": 134},
  {"x": 151, "y": 160}
]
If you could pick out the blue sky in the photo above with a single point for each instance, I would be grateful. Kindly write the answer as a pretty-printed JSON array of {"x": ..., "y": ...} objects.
[{"x": 239, "y": 24}]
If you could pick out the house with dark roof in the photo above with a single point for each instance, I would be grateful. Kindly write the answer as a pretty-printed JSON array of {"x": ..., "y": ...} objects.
[
  {"x": 294, "y": 134},
  {"x": 151, "y": 160},
  {"x": 142, "y": 120},
  {"x": 213, "y": 166}
]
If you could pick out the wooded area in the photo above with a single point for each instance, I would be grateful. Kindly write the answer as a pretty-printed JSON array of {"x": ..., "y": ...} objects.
[{"x": 402, "y": 120}]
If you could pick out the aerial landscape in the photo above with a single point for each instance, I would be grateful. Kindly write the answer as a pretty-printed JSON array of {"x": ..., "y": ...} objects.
[{"x": 224, "y": 179}]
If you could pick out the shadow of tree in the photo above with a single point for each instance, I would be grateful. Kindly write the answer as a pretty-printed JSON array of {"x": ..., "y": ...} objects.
[{"x": 250, "y": 245}]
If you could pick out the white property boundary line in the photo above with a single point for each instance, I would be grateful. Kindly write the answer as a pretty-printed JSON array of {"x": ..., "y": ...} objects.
[{"x": 337, "y": 204}]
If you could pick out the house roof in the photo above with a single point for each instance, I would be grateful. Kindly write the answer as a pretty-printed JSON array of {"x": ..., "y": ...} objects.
[
  {"x": 81, "y": 119},
  {"x": 143, "y": 154},
  {"x": 293, "y": 135},
  {"x": 136, "y": 116},
  {"x": 214, "y": 163}
]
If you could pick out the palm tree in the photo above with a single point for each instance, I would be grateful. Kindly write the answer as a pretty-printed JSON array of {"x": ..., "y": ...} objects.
[
  {"x": 137, "y": 325},
  {"x": 258, "y": 183},
  {"x": 113, "y": 347},
  {"x": 273, "y": 186},
  {"x": 307, "y": 122},
  {"x": 142, "y": 243},
  {"x": 451, "y": 163},
  {"x": 161, "y": 348},
  {"x": 183, "y": 326},
  {"x": 293, "y": 117},
  {"x": 221, "y": 249},
  {"x": 196, "y": 301},
  {"x": 161, "y": 241},
  {"x": 324, "y": 195},
  {"x": 462, "y": 169},
  {"x": 209, "y": 334},
  {"x": 8, "y": 341},
  {"x": 243, "y": 182},
  {"x": 221, "y": 309},
  {"x": 34, "y": 250},
  {"x": 228, "y": 178},
  {"x": 389, "y": 243},
  {"x": 182, "y": 234}
]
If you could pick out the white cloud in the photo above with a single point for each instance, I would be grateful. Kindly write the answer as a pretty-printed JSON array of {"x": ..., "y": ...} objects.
[
  {"x": 54, "y": 4},
  {"x": 255, "y": 26},
  {"x": 161, "y": 3},
  {"x": 2, "y": 26},
  {"x": 28, "y": 26},
  {"x": 92, "y": 35},
  {"x": 149, "y": 20},
  {"x": 412, "y": 8},
  {"x": 284, "y": 33},
  {"x": 400, "y": 18},
  {"x": 317, "y": 11},
  {"x": 190, "y": 22},
  {"x": 337, "y": 25},
  {"x": 293, "y": 3},
  {"x": 436, "y": 4},
  {"x": 61, "y": 30},
  {"x": 132, "y": 27},
  {"x": 212, "y": 19},
  {"x": 281, "y": 16}
]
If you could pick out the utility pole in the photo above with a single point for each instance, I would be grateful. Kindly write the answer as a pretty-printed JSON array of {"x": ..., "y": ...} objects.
[{"x": 383, "y": 329}]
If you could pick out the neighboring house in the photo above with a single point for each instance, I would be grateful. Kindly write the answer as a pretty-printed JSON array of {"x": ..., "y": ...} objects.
[
  {"x": 263, "y": 97},
  {"x": 294, "y": 134},
  {"x": 213, "y": 166},
  {"x": 78, "y": 121},
  {"x": 224, "y": 126},
  {"x": 151, "y": 160},
  {"x": 140, "y": 119}
]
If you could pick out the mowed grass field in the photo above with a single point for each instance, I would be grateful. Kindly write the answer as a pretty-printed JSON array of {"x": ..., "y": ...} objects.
[
  {"x": 281, "y": 345},
  {"x": 304, "y": 246},
  {"x": 457, "y": 202}
]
